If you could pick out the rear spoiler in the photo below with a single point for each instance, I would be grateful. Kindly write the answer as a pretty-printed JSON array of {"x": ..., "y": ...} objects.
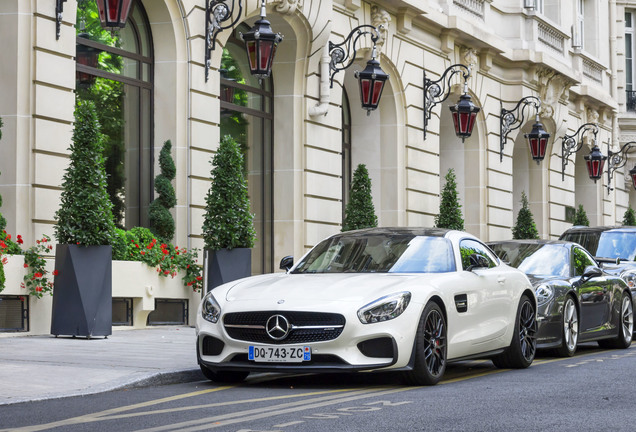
[{"x": 602, "y": 261}]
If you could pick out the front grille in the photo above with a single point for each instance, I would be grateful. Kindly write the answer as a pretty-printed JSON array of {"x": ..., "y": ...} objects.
[
  {"x": 212, "y": 346},
  {"x": 329, "y": 325}
]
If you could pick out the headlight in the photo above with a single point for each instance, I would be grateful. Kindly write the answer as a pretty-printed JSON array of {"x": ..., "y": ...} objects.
[
  {"x": 544, "y": 294},
  {"x": 385, "y": 308},
  {"x": 629, "y": 277},
  {"x": 210, "y": 309}
]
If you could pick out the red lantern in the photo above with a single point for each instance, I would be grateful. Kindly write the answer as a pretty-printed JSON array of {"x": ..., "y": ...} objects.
[
  {"x": 464, "y": 113},
  {"x": 86, "y": 56},
  {"x": 113, "y": 14},
  {"x": 595, "y": 162},
  {"x": 537, "y": 141},
  {"x": 371, "y": 80},
  {"x": 260, "y": 45}
]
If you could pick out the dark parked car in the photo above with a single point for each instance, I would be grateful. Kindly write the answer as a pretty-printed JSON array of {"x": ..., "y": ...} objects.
[
  {"x": 576, "y": 300},
  {"x": 614, "y": 247}
]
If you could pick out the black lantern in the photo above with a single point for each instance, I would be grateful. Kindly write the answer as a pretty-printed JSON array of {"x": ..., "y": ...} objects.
[
  {"x": 260, "y": 45},
  {"x": 87, "y": 57},
  {"x": 570, "y": 144},
  {"x": 372, "y": 79},
  {"x": 618, "y": 160},
  {"x": 513, "y": 119},
  {"x": 595, "y": 162},
  {"x": 537, "y": 141},
  {"x": 464, "y": 112},
  {"x": 113, "y": 14},
  {"x": 632, "y": 174}
]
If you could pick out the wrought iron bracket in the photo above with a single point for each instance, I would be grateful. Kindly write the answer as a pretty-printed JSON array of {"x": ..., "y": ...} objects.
[
  {"x": 59, "y": 8},
  {"x": 343, "y": 54},
  {"x": 218, "y": 12},
  {"x": 436, "y": 92},
  {"x": 615, "y": 161},
  {"x": 570, "y": 144},
  {"x": 510, "y": 120}
]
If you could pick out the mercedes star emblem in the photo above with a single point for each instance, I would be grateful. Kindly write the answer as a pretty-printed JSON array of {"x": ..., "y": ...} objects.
[{"x": 277, "y": 327}]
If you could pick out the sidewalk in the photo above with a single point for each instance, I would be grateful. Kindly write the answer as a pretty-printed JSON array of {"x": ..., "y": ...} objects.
[{"x": 45, "y": 367}]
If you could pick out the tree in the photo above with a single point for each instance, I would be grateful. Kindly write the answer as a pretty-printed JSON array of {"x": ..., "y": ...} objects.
[
  {"x": 161, "y": 221},
  {"x": 525, "y": 228},
  {"x": 450, "y": 213},
  {"x": 580, "y": 217},
  {"x": 359, "y": 212},
  {"x": 227, "y": 222},
  {"x": 85, "y": 214},
  {"x": 629, "y": 218}
]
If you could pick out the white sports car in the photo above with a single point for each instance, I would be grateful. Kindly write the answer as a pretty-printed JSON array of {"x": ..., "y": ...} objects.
[{"x": 408, "y": 299}]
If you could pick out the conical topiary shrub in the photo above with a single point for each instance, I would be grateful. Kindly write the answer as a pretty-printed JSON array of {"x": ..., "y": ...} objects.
[
  {"x": 161, "y": 221},
  {"x": 450, "y": 213},
  {"x": 629, "y": 218},
  {"x": 228, "y": 225},
  {"x": 525, "y": 228},
  {"x": 360, "y": 212},
  {"x": 580, "y": 217},
  {"x": 82, "y": 297}
]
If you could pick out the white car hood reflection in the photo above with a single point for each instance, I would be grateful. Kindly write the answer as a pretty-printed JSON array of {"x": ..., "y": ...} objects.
[{"x": 318, "y": 287}]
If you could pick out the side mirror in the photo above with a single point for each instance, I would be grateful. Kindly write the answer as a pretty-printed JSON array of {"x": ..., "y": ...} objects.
[
  {"x": 591, "y": 272},
  {"x": 477, "y": 261},
  {"x": 286, "y": 263}
]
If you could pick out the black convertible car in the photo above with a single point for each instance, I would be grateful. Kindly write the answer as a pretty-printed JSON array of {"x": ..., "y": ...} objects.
[{"x": 577, "y": 300}]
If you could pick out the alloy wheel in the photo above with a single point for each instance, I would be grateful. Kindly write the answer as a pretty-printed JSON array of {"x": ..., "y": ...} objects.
[
  {"x": 627, "y": 318},
  {"x": 528, "y": 331},
  {"x": 434, "y": 342},
  {"x": 570, "y": 324}
]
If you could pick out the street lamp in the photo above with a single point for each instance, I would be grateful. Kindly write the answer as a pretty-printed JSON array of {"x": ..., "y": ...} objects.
[
  {"x": 510, "y": 120},
  {"x": 260, "y": 45},
  {"x": 618, "y": 160},
  {"x": 464, "y": 112},
  {"x": 113, "y": 14},
  {"x": 372, "y": 79},
  {"x": 216, "y": 13},
  {"x": 573, "y": 143}
]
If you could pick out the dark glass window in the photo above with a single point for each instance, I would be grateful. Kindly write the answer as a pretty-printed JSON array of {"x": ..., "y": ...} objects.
[
  {"x": 115, "y": 71},
  {"x": 247, "y": 107}
]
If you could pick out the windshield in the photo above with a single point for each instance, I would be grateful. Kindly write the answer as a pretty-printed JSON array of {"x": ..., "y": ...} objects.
[
  {"x": 535, "y": 259},
  {"x": 379, "y": 254},
  {"x": 617, "y": 245}
]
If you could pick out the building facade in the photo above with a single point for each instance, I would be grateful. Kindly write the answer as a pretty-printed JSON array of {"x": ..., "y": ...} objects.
[{"x": 301, "y": 137}]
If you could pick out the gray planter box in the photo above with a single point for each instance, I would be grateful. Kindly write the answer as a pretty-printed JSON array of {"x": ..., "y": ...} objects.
[
  {"x": 227, "y": 265},
  {"x": 83, "y": 292}
]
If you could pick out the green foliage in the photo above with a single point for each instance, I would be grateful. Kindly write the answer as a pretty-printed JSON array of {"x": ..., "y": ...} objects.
[
  {"x": 139, "y": 244},
  {"x": 161, "y": 221},
  {"x": 450, "y": 213},
  {"x": 85, "y": 215},
  {"x": 580, "y": 217},
  {"x": 228, "y": 222},
  {"x": 525, "y": 228},
  {"x": 629, "y": 218},
  {"x": 360, "y": 212}
]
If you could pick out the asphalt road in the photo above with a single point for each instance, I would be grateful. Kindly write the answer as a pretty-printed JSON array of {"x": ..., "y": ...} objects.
[{"x": 593, "y": 391}]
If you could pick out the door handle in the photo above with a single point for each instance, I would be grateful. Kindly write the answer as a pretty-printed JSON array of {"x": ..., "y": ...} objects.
[{"x": 501, "y": 279}]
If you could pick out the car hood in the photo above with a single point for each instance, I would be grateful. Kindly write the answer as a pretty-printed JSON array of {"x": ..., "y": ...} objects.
[
  {"x": 308, "y": 288},
  {"x": 537, "y": 280}
]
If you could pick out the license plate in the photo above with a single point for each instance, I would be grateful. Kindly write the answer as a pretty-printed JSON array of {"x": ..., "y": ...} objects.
[{"x": 288, "y": 354}]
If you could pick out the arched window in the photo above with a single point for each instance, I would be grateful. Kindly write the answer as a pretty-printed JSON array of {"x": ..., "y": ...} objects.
[
  {"x": 115, "y": 70},
  {"x": 247, "y": 107}
]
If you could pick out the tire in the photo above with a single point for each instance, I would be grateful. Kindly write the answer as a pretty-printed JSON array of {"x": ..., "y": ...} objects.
[
  {"x": 625, "y": 326},
  {"x": 226, "y": 377},
  {"x": 430, "y": 348},
  {"x": 569, "y": 329},
  {"x": 523, "y": 347}
]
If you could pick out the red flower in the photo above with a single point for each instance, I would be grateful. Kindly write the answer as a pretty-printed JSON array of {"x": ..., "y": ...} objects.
[
  {"x": 143, "y": 253},
  {"x": 37, "y": 275},
  {"x": 8, "y": 236},
  {"x": 3, "y": 245},
  {"x": 19, "y": 240},
  {"x": 55, "y": 272},
  {"x": 165, "y": 252},
  {"x": 163, "y": 246},
  {"x": 137, "y": 245},
  {"x": 38, "y": 289},
  {"x": 26, "y": 265},
  {"x": 199, "y": 278}
]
